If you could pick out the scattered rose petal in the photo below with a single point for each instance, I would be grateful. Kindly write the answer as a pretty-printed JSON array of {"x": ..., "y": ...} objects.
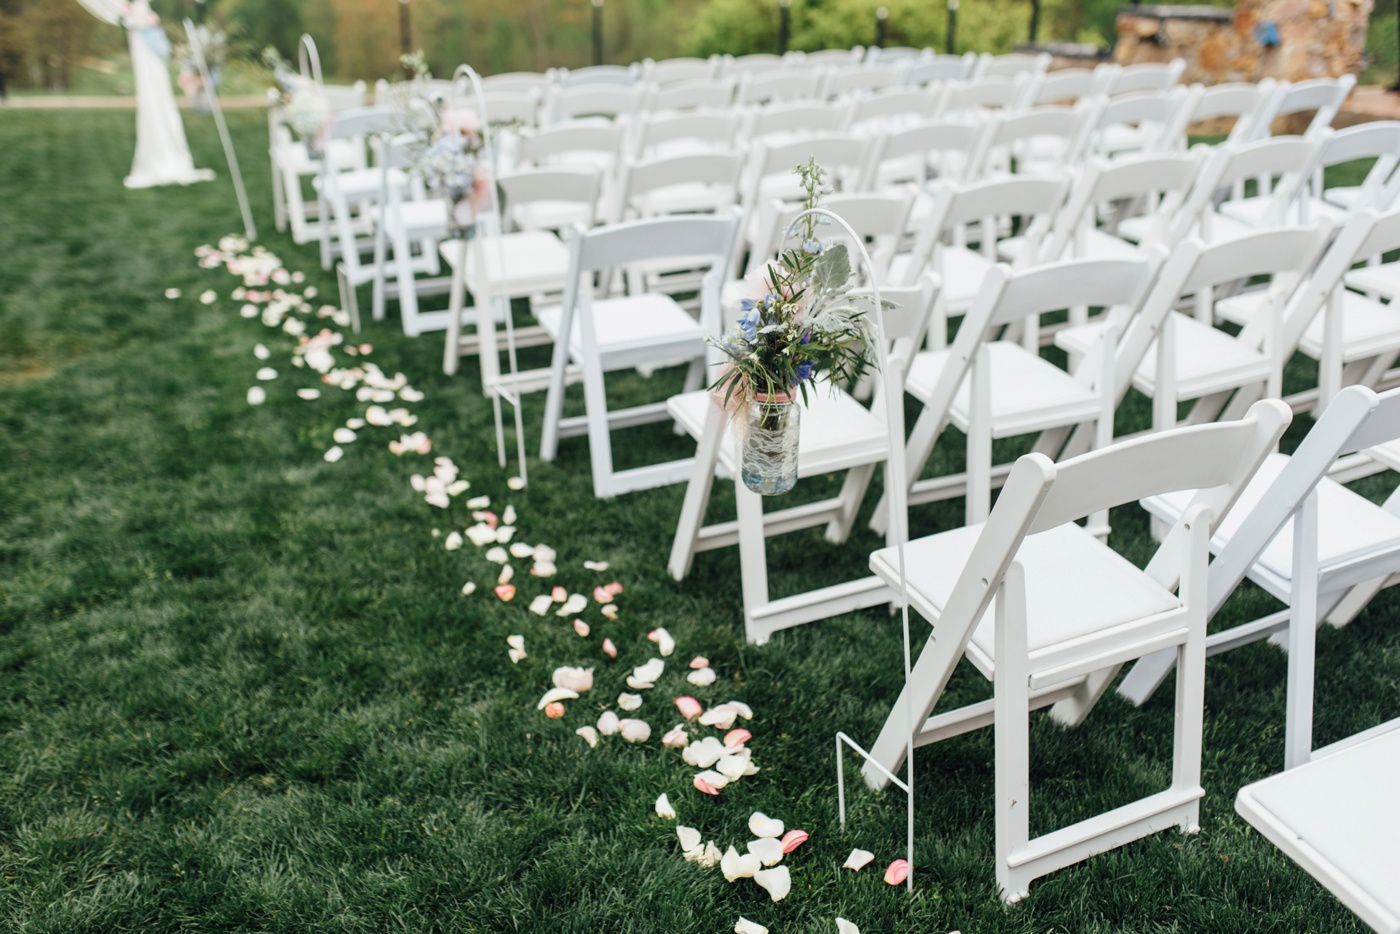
[
  {"x": 261, "y": 352},
  {"x": 575, "y": 679},
  {"x": 735, "y": 739},
  {"x": 634, "y": 731},
  {"x": 704, "y": 753},
  {"x": 172, "y": 293},
  {"x": 608, "y": 723},
  {"x": 609, "y": 649},
  {"x": 558, "y": 595},
  {"x": 266, "y": 373},
  {"x": 516, "y": 655},
  {"x": 777, "y": 881},
  {"x": 845, "y": 927},
  {"x": 714, "y": 779},
  {"x": 453, "y": 541},
  {"x": 355, "y": 423},
  {"x": 506, "y": 592},
  {"x": 610, "y": 611},
  {"x": 516, "y": 483},
  {"x": 898, "y": 872},
  {"x": 468, "y": 588},
  {"x": 690, "y": 837},
  {"x": 793, "y": 839},
  {"x": 556, "y": 694},
  {"x": 334, "y": 454},
  {"x": 711, "y": 856},
  {"x": 516, "y": 642},
  {"x": 721, "y": 717},
  {"x": 256, "y": 395},
  {"x": 343, "y": 435},
  {"x": 581, "y": 628},
  {"x": 541, "y": 604},
  {"x": 309, "y": 394},
  {"x": 745, "y": 926},
  {"x": 676, "y": 737},
  {"x": 521, "y": 550},
  {"x": 478, "y": 502},
  {"x": 589, "y": 734},
  {"x": 650, "y": 672},
  {"x": 497, "y": 555},
  {"x": 554, "y": 710},
  {"x": 858, "y": 860},
  {"x": 689, "y": 707},
  {"x": 735, "y": 866},
  {"x": 768, "y": 850},
  {"x": 734, "y": 766},
  {"x": 699, "y": 661},
  {"x": 506, "y": 574},
  {"x": 663, "y": 640},
  {"x": 208, "y": 297},
  {"x": 693, "y": 855},
  {"x": 627, "y": 701},
  {"x": 705, "y": 787},
  {"x": 666, "y": 812},
  {"x": 761, "y": 825},
  {"x": 602, "y": 595},
  {"x": 701, "y": 677},
  {"x": 596, "y": 565},
  {"x": 576, "y": 603},
  {"x": 741, "y": 709}
]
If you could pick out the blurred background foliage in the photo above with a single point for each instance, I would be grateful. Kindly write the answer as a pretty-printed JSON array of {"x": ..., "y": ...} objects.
[{"x": 56, "y": 45}]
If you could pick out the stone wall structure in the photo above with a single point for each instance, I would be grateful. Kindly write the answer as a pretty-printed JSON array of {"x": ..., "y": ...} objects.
[{"x": 1286, "y": 39}]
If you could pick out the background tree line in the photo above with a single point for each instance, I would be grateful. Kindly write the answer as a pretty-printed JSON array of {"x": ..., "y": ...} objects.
[{"x": 44, "y": 42}]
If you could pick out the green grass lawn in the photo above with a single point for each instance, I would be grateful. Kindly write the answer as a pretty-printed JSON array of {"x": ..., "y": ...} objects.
[{"x": 240, "y": 688}]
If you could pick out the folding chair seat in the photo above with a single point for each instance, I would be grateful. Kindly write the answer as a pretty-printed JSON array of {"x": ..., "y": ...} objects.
[
  {"x": 496, "y": 267},
  {"x": 606, "y": 334},
  {"x": 1037, "y": 603},
  {"x": 836, "y": 433},
  {"x": 992, "y": 389},
  {"x": 1188, "y": 358},
  {"x": 978, "y": 212}
]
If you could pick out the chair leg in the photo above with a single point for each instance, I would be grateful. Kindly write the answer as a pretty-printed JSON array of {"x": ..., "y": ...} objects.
[
  {"x": 554, "y": 401},
  {"x": 1012, "y": 711},
  {"x": 753, "y": 556},
  {"x": 408, "y": 294},
  {"x": 697, "y": 496},
  {"x": 1191, "y": 680},
  {"x": 595, "y": 404},
  {"x": 349, "y": 299},
  {"x": 852, "y": 493},
  {"x": 279, "y": 199},
  {"x": 452, "y": 349}
]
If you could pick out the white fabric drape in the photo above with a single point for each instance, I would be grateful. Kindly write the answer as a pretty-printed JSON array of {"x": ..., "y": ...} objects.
[{"x": 162, "y": 153}]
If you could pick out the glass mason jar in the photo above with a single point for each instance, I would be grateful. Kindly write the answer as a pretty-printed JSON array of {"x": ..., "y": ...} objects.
[
  {"x": 768, "y": 453},
  {"x": 461, "y": 213}
]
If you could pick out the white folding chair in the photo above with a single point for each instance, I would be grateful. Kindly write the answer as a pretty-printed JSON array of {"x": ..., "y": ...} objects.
[
  {"x": 783, "y": 123},
  {"x": 891, "y": 109},
  {"x": 572, "y": 145},
  {"x": 603, "y": 335},
  {"x": 671, "y": 71},
  {"x": 1241, "y": 100},
  {"x": 858, "y": 80},
  {"x": 940, "y": 68},
  {"x": 1137, "y": 123},
  {"x": 347, "y": 196},
  {"x": 1322, "y": 96},
  {"x": 709, "y": 94},
  {"x": 786, "y": 85},
  {"x": 836, "y": 433},
  {"x": 1011, "y": 65},
  {"x": 679, "y": 134},
  {"x": 1190, "y": 359},
  {"x": 971, "y": 99},
  {"x": 992, "y": 389},
  {"x": 1066, "y": 87},
  {"x": 576, "y": 101},
  {"x": 1036, "y": 603},
  {"x": 1144, "y": 77},
  {"x": 517, "y": 82}
]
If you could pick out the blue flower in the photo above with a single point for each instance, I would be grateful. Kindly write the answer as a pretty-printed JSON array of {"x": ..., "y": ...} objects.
[
  {"x": 748, "y": 325},
  {"x": 812, "y": 247},
  {"x": 803, "y": 372},
  {"x": 806, "y": 337}
]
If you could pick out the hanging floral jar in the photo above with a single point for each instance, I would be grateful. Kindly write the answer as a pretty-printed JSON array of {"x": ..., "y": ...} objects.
[{"x": 768, "y": 444}]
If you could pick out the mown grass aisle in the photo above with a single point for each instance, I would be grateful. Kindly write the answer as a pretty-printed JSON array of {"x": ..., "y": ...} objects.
[{"x": 240, "y": 688}]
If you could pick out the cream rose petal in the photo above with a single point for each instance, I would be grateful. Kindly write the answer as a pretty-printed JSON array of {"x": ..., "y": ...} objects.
[
  {"x": 634, "y": 731},
  {"x": 256, "y": 395},
  {"x": 676, "y": 737},
  {"x": 589, "y": 734},
  {"x": 711, "y": 856},
  {"x": 609, "y": 649},
  {"x": 596, "y": 565},
  {"x": 309, "y": 394},
  {"x": 735, "y": 866},
  {"x": 575, "y": 679},
  {"x": 666, "y": 812},
  {"x": 649, "y": 672},
  {"x": 610, "y": 611},
  {"x": 713, "y": 779},
  {"x": 453, "y": 541},
  {"x": 742, "y": 709},
  {"x": 576, "y": 604},
  {"x": 689, "y": 707},
  {"x": 761, "y": 825},
  {"x": 541, "y": 604},
  {"x": 521, "y": 550},
  {"x": 468, "y": 588},
  {"x": 745, "y": 926},
  {"x": 555, "y": 694},
  {"x": 627, "y": 701},
  {"x": 663, "y": 640},
  {"x": 334, "y": 454},
  {"x": 770, "y": 851},
  {"x": 733, "y": 767},
  {"x": 581, "y": 628},
  {"x": 608, "y": 723},
  {"x": 704, "y": 753},
  {"x": 690, "y": 837},
  {"x": 858, "y": 860},
  {"x": 699, "y": 661},
  {"x": 777, "y": 881},
  {"x": 845, "y": 927},
  {"x": 721, "y": 716},
  {"x": 701, "y": 677}
]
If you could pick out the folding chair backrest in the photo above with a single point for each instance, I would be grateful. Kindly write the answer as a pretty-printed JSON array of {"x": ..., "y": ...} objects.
[
  {"x": 1165, "y": 178},
  {"x": 1160, "y": 109},
  {"x": 879, "y": 218},
  {"x": 579, "y": 186},
  {"x": 1379, "y": 141},
  {"x": 1146, "y": 76},
  {"x": 721, "y": 170},
  {"x": 755, "y": 64},
  {"x": 1064, "y": 87},
  {"x": 1289, "y": 159},
  {"x": 786, "y": 85},
  {"x": 1065, "y": 123},
  {"x": 362, "y": 121},
  {"x": 691, "y": 95},
  {"x": 833, "y": 57},
  {"x": 679, "y": 70},
  {"x": 986, "y": 203},
  {"x": 794, "y": 119},
  {"x": 1324, "y": 96},
  {"x": 518, "y": 107},
  {"x": 517, "y": 82},
  {"x": 996, "y": 92},
  {"x": 625, "y": 75},
  {"x": 857, "y": 78},
  {"x": 553, "y": 144},
  {"x": 833, "y": 152},
  {"x": 1240, "y": 100},
  {"x": 702, "y": 130},
  {"x": 940, "y": 68},
  {"x": 568, "y": 102},
  {"x": 905, "y": 102},
  {"x": 1016, "y": 63},
  {"x": 935, "y": 142},
  {"x": 876, "y": 55}
]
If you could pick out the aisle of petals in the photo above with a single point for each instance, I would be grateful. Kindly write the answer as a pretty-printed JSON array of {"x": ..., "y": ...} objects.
[{"x": 706, "y": 738}]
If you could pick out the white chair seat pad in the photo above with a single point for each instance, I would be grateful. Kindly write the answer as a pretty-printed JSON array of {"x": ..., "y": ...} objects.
[
  {"x": 358, "y": 184},
  {"x": 1339, "y": 817},
  {"x": 1207, "y": 360},
  {"x": 1383, "y": 279},
  {"x": 534, "y": 261},
  {"x": 685, "y": 198},
  {"x": 835, "y": 431},
  {"x": 551, "y": 215},
  {"x": 1028, "y": 393},
  {"x": 637, "y": 322},
  {"x": 1349, "y": 525},
  {"x": 1056, "y": 562},
  {"x": 962, "y": 270},
  {"x": 1251, "y": 211},
  {"x": 426, "y": 218},
  {"x": 1369, "y": 327}
]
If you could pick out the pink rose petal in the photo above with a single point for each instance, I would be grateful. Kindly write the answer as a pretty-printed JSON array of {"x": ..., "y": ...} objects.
[
  {"x": 602, "y": 595},
  {"x": 689, "y": 707},
  {"x": 610, "y": 611},
  {"x": 559, "y": 595},
  {"x": 793, "y": 839},
  {"x": 699, "y": 661},
  {"x": 506, "y": 592},
  {"x": 554, "y": 710},
  {"x": 705, "y": 787},
  {"x": 609, "y": 649},
  {"x": 734, "y": 739},
  {"x": 581, "y": 628},
  {"x": 614, "y": 588},
  {"x": 898, "y": 872}
]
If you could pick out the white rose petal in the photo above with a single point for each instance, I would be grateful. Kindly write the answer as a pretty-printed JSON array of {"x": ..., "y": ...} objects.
[
  {"x": 575, "y": 679},
  {"x": 576, "y": 603},
  {"x": 516, "y": 483},
  {"x": 721, "y": 717},
  {"x": 589, "y": 734},
  {"x": 256, "y": 395},
  {"x": 208, "y": 297},
  {"x": 468, "y": 588},
  {"x": 701, "y": 677},
  {"x": 777, "y": 881},
  {"x": 497, "y": 555},
  {"x": 770, "y": 851},
  {"x": 309, "y": 394},
  {"x": 704, "y": 753},
  {"x": 745, "y": 926},
  {"x": 627, "y": 701},
  {"x": 608, "y": 723},
  {"x": 453, "y": 541},
  {"x": 596, "y": 565},
  {"x": 344, "y": 435},
  {"x": 761, "y": 825},
  {"x": 845, "y": 927},
  {"x": 666, "y": 812},
  {"x": 555, "y": 694},
  {"x": 735, "y": 866},
  {"x": 649, "y": 672},
  {"x": 334, "y": 454},
  {"x": 858, "y": 860},
  {"x": 634, "y": 731},
  {"x": 690, "y": 837},
  {"x": 713, "y": 779}
]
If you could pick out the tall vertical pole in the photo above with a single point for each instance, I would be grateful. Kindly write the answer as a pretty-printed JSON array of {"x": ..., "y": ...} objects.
[
  {"x": 949, "y": 39},
  {"x": 784, "y": 25},
  {"x": 597, "y": 32},
  {"x": 882, "y": 15},
  {"x": 405, "y": 29},
  {"x": 1035, "y": 19}
]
